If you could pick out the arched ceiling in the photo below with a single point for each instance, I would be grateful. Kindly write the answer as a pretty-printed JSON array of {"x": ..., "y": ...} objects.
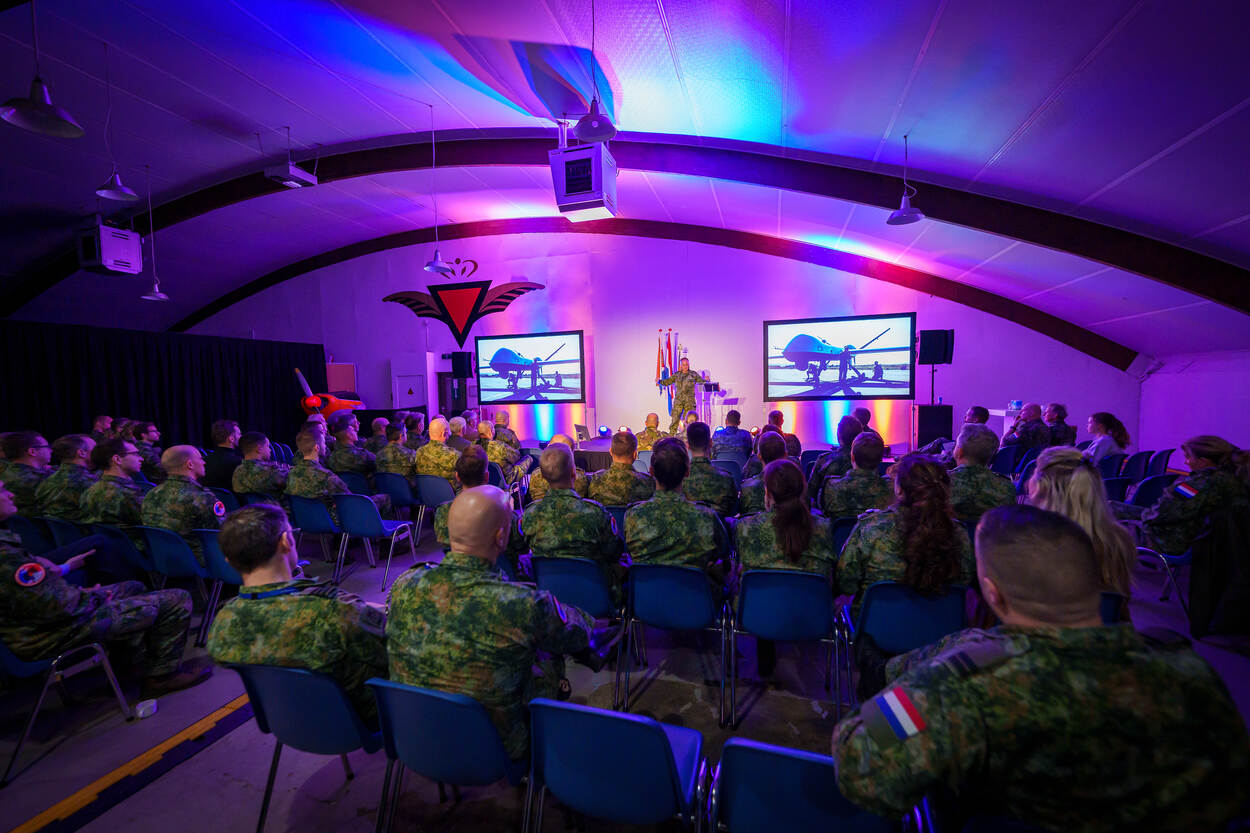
[{"x": 1131, "y": 115}]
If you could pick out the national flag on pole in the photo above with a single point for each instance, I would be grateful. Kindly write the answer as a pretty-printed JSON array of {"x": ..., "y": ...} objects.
[
  {"x": 668, "y": 367},
  {"x": 659, "y": 359}
]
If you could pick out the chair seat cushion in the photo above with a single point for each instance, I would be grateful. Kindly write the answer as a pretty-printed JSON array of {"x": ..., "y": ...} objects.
[
  {"x": 391, "y": 526},
  {"x": 687, "y": 747}
]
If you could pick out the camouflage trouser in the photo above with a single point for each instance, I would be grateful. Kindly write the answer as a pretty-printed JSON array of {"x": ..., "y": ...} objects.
[
  {"x": 680, "y": 406},
  {"x": 153, "y": 623},
  {"x": 512, "y": 474}
]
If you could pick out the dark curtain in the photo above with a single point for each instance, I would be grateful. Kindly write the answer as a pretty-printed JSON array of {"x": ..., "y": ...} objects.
[{"x": 55, "y": 378}]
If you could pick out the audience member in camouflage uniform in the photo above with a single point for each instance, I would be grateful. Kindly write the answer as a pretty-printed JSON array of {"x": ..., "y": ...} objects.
[
  {"x": 786, "y": 535},
  {"x": 1051, "y": 719},
  {"x": 296, "y": 623},
  {"x": 42, "y": 615},
  {"x": 414, "y": 425},
  {"x": 1060, "y": 432},
  {"x": 651, "y": 434},
  {"x": 310, "y": 479},
  {"x": 505, "y": 434},
  {"x": 705, "y": 483},
  {"x": 259, "y": 474},
  {"x": 915, "y": 542},
  {"x": 975, "y": 489},
  {"x": 503, "y": 455},
  {"x": 28, "y": 454},
  {"x": 378, "y": 440},
  {"x": 100, "y": 428},
  {"x": 146, "y": 435},
  {"x": 1028, "y": 431},
  {"x": 116, "y": 498},
  {"x": 683, "y": 382},
  {"x": 461, "y": 628},
  {"x": 731, "y": 438},
  {"x": 181, "y": 503},
  {"x": 456, "y": 440},
  {"x": 471, "y": 473},
  {"x": 794, "y": 448},
  {"x": 619, "y": 484},
  {"x": 395, "y": 457},
  {"x": 837, "y": 462},
  {"x": 864, "y": 416},
  {"x": 347, "y": 456},
  {"x": 435, "y": 457},
  {"x": 60, "y": 495},
  {"x": 861, "y": 488},
  {"x": 751, "y": 499},
  {"x": 1218, "y": 481},
  {"x": 537, "y": 489}
]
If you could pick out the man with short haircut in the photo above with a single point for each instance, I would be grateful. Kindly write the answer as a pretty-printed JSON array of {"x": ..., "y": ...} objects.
[
  {"x": 28, "y": 454},
  {"x": 414, "y": 424},
  {"x": 294, "y": 622},
  {"x": 730, "y": 437},
  {"x": 503, "y": 433},
  {"x": 462, "y": 628},
  {"x": 395, "y": 457},
  {"x": 100, "y": 428},
  {"x": 508, "y": 459},
  {"x": 436, "y": 457},
  {"x": 683, "y": 382},
  {"x": 116, "y": 499},
  {"x": 457, "y": 442},
  {"x": 181, "y": 503},
  {"x": 864, "y": 416},
  {"x": 471, "y": 421},
  {"x": 60, "y": 494},
  {"x": 538, "y": 488},
  {"x": 978, "y": 414},
  {"x": 259, "y": 474},
  {"x": 147, "y": 435},
  {"x": 1051, "y": 719},
  {"x": 862, "y": 488},
  {"x": 651, "y": 434},
  {"x": 566, "y": 525},
  {"x": 225, "y": 457},
  {"x": 751, "y": 499},
  {"x": 1028, "y": 431},
  {"x": 836, "y": 462},
  {"x": 310, "y": 479},
  {"x": 668, "y": 529},
  {"x": 705, "y": 483},
  {"x": 975, "y": 489},
  {"x": 471, "y": 473},
  {"x": 347, "y": 455},
  {"x": 619, "y": 484},
  {"x": 378, "y": 441},
  {"x": 794, "y": 448},
  {"x": 1060, "y": 432},
  {"x": 975, "y": 415}
]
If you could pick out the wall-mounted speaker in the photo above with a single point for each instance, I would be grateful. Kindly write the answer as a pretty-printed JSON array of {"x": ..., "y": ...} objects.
[
  {"x": 936, "y": 347},
  {"x": 461, "y": 365},
  {"x": 930, "y": 422}
]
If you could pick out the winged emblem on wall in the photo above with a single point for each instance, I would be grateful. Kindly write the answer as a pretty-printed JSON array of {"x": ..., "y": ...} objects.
[{"x": 460, "y": 305}]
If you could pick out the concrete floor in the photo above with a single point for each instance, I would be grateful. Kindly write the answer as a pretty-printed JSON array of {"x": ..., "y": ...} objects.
[{"x": 220, "y": 788}]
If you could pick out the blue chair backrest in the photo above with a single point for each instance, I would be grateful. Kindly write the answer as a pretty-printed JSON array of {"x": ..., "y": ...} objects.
[
  {"x": 1004, "y": 461},
  {"x": 311, "y": 515},
  {"x": 842, "y": 529},
  {"x": 63, "y": 532},
  {"x": 249, "y": 498},
  {"x": 1135, "y": 466},
  {"x": 673, "y": 598},
  {"x": 883, "y": 468},
  {"x": 764, "y": 788},
  {"x": 34, "y": 539},
  {"x": 731, "y": 455},
  {"x": 227, "y": 497},
  {"x": 899, "y": 619},
  {"x": 1026, "y": 458},
  {"x": 170, "y": 554},
  {"x": 645, "y": 456},
  {"x": 730, "y": 467},
  {"x": 434, "y": 491},
  {"x": 1109, "y": 466},
  {"x": 808, "y": 468},
  {"x": 306, "y": 710},
  {"x": 1159, "y": 462},
  {"x": 494, "y": 475},
  {"x": 1152, "y": 488},
  {"x": 1117, "y": 487},
  {"x": 357, "y": 482},
  {"x": 215, "y": 560},
  {"x": 122, "y": 542},
  {"x": 358, "y": 515},
  {"x": 396, "y": 486},
  {"x": 1022, "y": 484},
  {"x": 11, "y": 666},
  {"x": 442, "y": 736},
  {"x": 641, "y": 465},
  {"x": 786, "y": 605},
  {"x": 640, "y": 786},
  {"x": 809, "y": 455},
  {"x": 574, "y": 581},
  {"x": 618, "y": 517}
]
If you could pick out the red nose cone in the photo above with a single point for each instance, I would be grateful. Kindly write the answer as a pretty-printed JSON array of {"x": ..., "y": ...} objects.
[{"x": 311, "y": 403}]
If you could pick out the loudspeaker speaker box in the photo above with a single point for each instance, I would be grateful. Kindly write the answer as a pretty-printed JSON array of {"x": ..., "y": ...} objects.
[
  {"x": 461, "y": 365},
  {"x": 936, "y": 347},
  {"x": 930, "y": 422}
]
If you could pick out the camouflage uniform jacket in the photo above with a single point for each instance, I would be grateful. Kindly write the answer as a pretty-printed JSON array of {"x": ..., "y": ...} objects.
[
  {"x": 563, "y": 525},
  {"x": 1062, "y": 434},
  {"x": 461, "y": 628},
  {"x": 375, "y": 443},
  {"x": 305, "y": 624},
  {"x": 619, "y": 485},
  {"x": 1178, "y": 518},
  {"x": 751, "y": 497},
  {"x": 414, "y": 442},
  {"x": 397, "y": 459},
  {"x": 23, "y": 481},
  {"x": 116, "y": 501},
  {"x": 437, "y": 459},
  {"x": 505, "y": 456},
  {"x": 731, "y": 438},
  {"x": 60, "y": 495},
  {"x": 854, "y": 493},
  {"x": 313, "y": 480},
  {"x": 874, "y": 552},
  {"x": 1032, "y": 434},
  {"x": 976, "y": 490},
  {"x": 757, "y": 546},
  {"x": 516, "y": 540},
  {"x": 709, "y": 485},
  {"x": 507, "y": 436},
  {"x": 648, "y": 437},
  {"x": 182, "y": 505},
  {"x": 668, "y": 529},
  {"x": 260, "y": 477},
  {"x": 351, "y": 458},
  {"x": 539, "y": 487},
  {"x": 683, "y": 382},
  {"x": 1075, "y": 729},
  {"x": 830, "y": 464},
  {"x": 151, "y": 462},
  {"x": 754, "y": 467}
]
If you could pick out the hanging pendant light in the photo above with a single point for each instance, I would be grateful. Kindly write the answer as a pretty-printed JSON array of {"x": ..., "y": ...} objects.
[
  {"x": 594, "y": 126},
  {"x": 36, "y": 112},
  {"x": 112, "y": 189},
  {"x": 906, "y": 213},
  {"x": 437, "y": 265},
  {"x": 155, "y": 294}
]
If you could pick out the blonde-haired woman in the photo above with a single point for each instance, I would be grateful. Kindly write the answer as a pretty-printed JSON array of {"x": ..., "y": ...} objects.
[{"x": 1066, "y": 482}]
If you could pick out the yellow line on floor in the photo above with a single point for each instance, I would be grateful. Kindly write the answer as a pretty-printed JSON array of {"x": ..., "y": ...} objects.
[{"x": 73, "y": 803}]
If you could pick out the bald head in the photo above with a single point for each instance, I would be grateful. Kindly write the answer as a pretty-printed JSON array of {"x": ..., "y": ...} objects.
[
  {"x": 438, "y": 430},
  {"x": 185, "y": 460},
  {"x": 501, "y": 418},
  {"x": 562, "y": 439},
  {"x": 556, "y": 464},
  {"x": 653, "y": 420},
  {"x": 1031, "y": 412},
  {"x": 479, "y": 522}
]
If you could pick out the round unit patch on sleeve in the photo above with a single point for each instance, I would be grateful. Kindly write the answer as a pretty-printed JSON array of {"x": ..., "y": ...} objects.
[
  {"x": 219, "y": 509},
  {"x": 29, "y": 574}
]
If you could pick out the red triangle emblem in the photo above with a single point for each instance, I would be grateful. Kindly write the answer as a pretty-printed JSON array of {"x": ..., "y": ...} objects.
[{"x": 460, "y": 305}]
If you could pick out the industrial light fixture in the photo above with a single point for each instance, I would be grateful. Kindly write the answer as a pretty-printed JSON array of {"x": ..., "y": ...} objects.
[
  {"x": 155, "y": 294},
  {"x": 112, "y": 189},
  {"x": 594, "y": 126},
  {"x": 437, "y": 265},
  {"x": 906, "y": 213},
  {"x": 36, "y": 112}
]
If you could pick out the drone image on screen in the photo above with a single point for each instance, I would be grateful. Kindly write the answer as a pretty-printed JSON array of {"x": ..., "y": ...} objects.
[
  {"x": 807, "y": 359},
  {"x": 506, "y": 374}
]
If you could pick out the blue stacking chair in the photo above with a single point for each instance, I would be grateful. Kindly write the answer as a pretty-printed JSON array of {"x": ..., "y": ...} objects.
[
  {"x": 219, "y": 570},
  {"x": 1159, "y": 462},
  {"x": 125, "y": 546},
  {"x": 730, "y": 467},
  {"x": 732, "y": 456},
  {"x": 618, "y": 517},
  {"x": 1026, "y": 458},
  {"x": 809, "y": 455},
  {"x": 399, "y": 490},
  {"x": 783, "y": 606},
  {"x": 1109, "y": 607},
  {"x": 1109, "y": 466},
  {"x": 432, "y": 492},
  {"x": 228, "y": 498},
  {"x": 249, "y": 498},
  {"x": 494, "y": 475},
  {"x": 311, "y": 517},
  {"x": 68, "y": 664},
  {"x": 1084, "y": 444},
  {"x": 676, "y": 599},
  {"x": 657, "y": 771},
  {"x": 63, "y": 532},
  {"x": 761, "y": 788},
  {"x": 1151, "y": 489},
  {"x": 307, "y": 711},
  {"x": 448, "y": 738},
  {"x": 172, "y": 558},
  {"x": 578, "y": 582},
  {"x": 1117, "y": 487},
  {"x": 357, "y": 482},
  {"x": 842, "y": 529},
  {"x": 1135, "y": 466},
  {"x": 1171, "y": 565},
  {"x": 1004, "y": 461},
  {"x": 358, "y": 515},
  {"x": 35, "y": 539},
  {"x": 641, "y": 465},
  {"x": 1026, "y": 474}
]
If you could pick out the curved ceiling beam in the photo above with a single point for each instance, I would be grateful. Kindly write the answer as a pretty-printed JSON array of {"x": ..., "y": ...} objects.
[
  {"x": 764, "y": 165},
  {"x": 1070, "y": 334}
]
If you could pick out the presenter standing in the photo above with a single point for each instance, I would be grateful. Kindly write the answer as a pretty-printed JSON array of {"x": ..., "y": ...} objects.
[{"x": 683, "y": 382}]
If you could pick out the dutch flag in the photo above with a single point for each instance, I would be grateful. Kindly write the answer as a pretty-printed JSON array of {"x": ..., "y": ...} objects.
[{"x": 899, "y": 711}]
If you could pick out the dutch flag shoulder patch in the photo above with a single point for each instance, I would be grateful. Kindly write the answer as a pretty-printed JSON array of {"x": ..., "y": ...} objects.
[
  {"x": 892, "y": 717},
  {"x": 1186, "y": 490}
]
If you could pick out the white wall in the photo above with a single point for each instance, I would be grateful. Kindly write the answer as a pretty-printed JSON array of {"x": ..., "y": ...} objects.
[
  {"x": 621, "y": 290},
  {"x": 1206, "y": 393}
]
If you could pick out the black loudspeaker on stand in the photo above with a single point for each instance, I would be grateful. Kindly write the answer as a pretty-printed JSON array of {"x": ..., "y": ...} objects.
[
  {"x": 935, "y": 347},
  {"x": 929, "y": 422},
  {"x": 461, "y": 365}
]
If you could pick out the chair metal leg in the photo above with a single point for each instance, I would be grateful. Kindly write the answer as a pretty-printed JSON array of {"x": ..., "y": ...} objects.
[
  {"x": 384, "y": 803},
  {"x": 529, "y": 803},
  {"x": 397, "y": 790},
  {"x": 538, "y": 812},
  {"x": 273, "y": 772},
  {"x": 30, "y": 724},
  {"x": 325, "y": 547},
  {"x": 210, "y": 612},
  {"x": 733, "y": 678},
  {"x": 389, "y": 554},
  {"x": 724, "y": 668},
  {"x": 338, "y": 563},
  {"x": 347, "y": 767},
  {"x": 630, "y": 636},
  {"x": 127, "y": 712},
  {"x": 420, "y": 518}
]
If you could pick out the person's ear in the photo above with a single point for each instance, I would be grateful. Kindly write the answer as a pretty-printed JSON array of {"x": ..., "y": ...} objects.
[{"x": 993, "y": 596}]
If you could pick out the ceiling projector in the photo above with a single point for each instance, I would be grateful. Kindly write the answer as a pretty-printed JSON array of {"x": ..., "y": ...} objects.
[
  {"x": 291, "y": 176},
  {"x": 585, "y": 181}
]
